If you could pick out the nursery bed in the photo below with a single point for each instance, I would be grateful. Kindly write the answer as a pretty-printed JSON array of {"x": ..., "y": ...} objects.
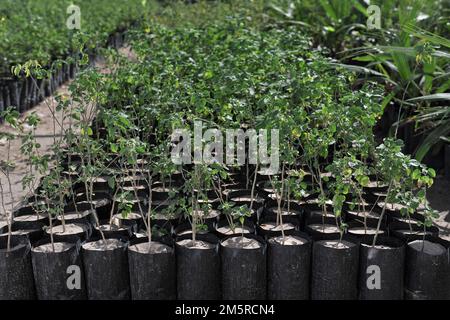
[
  {"x": 44, "y": 135},
  {"x": 142, "y": 225}
]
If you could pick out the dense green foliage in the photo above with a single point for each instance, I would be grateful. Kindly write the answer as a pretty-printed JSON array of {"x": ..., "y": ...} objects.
[
  {"x": 408, "y": 53},
  {"x": 231, "y": 75},
  {"x": 342, "y": 25},
  {"x": 233, "y": 68},
  {"x": 37, "y": 30}
]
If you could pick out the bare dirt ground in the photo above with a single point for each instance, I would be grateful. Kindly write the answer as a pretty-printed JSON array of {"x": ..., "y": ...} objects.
[
  {"x": 46, "y": 132},
  {"x": 438, "y": 195}
]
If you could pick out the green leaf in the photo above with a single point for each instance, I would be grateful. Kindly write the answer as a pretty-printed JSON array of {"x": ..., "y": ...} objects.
[
  {"x": 337, "y": 212},
  {"x": 331, "y": 13},
  {"x": 111, "y": 182},
  {"x": 426, "y": 35},
  {"x": 357, "y": 69},
  {"x": 432, "y": 138},
  {"x": 432, "y": 172},
  {"x": 402, "y": 63},
  {"x": 364, "y": 181},
  {"x": 416, "y": 174},
  {"x": 208, "y": 74},
  {"x": 432, "y": 97}
]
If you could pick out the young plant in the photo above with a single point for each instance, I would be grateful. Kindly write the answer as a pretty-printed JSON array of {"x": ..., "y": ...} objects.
[
  {"x": 407, "y": 181},
  {"x": 351, "y": 176},
  {"x": 11, "y": 117},
  {"x": 240, "y": 214},
  {"x": 199, "y": 179}
]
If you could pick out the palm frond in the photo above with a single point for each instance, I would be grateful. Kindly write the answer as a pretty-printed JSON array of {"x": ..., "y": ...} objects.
[
  {"x": 432, "y": 97},
  {"x": 426, "y": 35},
  {"x": 432, "y": 138}
]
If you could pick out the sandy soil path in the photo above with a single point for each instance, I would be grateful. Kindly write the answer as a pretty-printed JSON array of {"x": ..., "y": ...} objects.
[
  {"x": 45, "y": 135},
  {"x": 46, "y": 132}
]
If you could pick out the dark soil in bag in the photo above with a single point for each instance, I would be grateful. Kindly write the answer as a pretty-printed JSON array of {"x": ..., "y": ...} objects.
[
  {"x": 370, "y": 217},
  {"x": 413, "y": 232},
  {"x": 413, "y": 221},
  {"x": 374, "y": 185},
  {"x": 69, "y": 232},
  {"x": 392, "y": 210},
  {"x": 369, "y": 230},
  {"x": 335, "y": 270},
  {"x": 3, "y": 226},
  {"x": 2, "y": 104},
  {"x": 381, "y": 269},
  {"x": 30, "y": 221},
  {"x": 6, "y": 98},
  {"x": 14, "y": 94},
  {"x": 293, "y": 214},
  {"x": 27, "y": 218},
  {"x": 33, "y": 235},
  {"x": 229, "y": 188},
  {"x": 185, "y": 229},
  {"x": 72, "y": 71},
  {"x": 163, "y": 222},
  {"x": 85, "y": 217},
  {"x": 288, "y": 267},
  {"x": 106, "y": 270},
  {"x": 137, "y": 204},
  {"x": 33, "y": 95},
  {"x": 47, "y": 87},
  {"x": 210, "y": 218},
  {"x": 139, "y": 191},
  {"x": 244, "y": 271},
  {"x": 134, "y": 220},
  {"x": 265, "y": 186},
  {"x": 112, "y": 230},
  {"x": 317, "y": 216},
  {"x": 223, "y": 229},
  {"x": 427, "y": 271},
  {"x": 323, "y": 231},
  {"x": 102, "y": 206},
  {"x": 163, "y": 192},
  {"x": 374, "y": 196},
  {"x": 270, "y": 228},
  {"x": 16, "y": 271},
  {"x": 41, "y": 90},
  {"x": 58, "y": 271},
  {"x": 24, "y": 95},
  {"x": 198, "y": 268},
  {"x": 244, "y": 197},
  {"x": 152, "y": 270}
]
